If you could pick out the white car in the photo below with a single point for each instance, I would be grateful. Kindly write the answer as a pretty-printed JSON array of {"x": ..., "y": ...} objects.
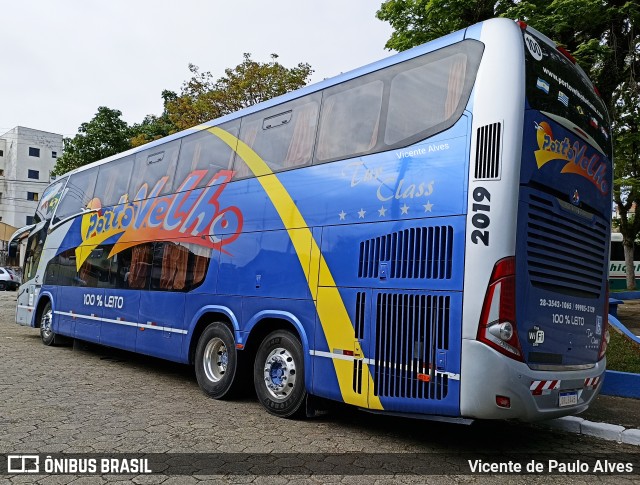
[{"x": 9, "y": 279}]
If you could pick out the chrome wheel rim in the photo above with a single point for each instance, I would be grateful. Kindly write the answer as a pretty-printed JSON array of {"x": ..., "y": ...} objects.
[
  {"x": 215, "y": 359},
  {"x": 280, "y": 373},
  {"x": 45, "y": 324}
]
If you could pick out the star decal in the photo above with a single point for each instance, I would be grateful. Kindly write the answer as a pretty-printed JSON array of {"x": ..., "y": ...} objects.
[
  {"x": 382, "y": 211},
  {"x": 361, "y": 213},
  {"x": 342, "y": 215},
  {"x": 427, "y": 206},
  {"x": 404, "y": 209}
]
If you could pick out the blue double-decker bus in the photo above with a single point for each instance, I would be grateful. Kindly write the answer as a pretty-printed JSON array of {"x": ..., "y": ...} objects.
[{"x": 426, "y": 235}]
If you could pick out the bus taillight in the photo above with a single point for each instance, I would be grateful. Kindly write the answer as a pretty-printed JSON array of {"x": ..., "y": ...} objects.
[{"x": 497, "y": 326}]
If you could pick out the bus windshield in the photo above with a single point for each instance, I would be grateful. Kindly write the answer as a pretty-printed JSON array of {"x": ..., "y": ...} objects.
[{"x": 555, "y": 85}]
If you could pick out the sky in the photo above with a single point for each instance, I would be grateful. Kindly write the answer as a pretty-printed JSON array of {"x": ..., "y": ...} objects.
[{"x": 61, "y": 60}]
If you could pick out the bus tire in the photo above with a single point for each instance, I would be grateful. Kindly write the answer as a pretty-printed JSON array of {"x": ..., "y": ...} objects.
[
  {"x": 47, "y": 335},
  {"x": 278, "y": 375},
  {"x": 216, "y": 361}
]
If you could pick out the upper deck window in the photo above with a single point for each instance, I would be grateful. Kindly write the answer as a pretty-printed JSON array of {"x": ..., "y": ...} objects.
[
  {"x": 113, "y": 181},
  {"x": 77, "y": 194},
  {"x": 283, "y": 136},
  {"x": 153, "y": 164},
  {"x": 398, "y": 105},
  {"x": 424, "y": 97},
  {"x": 350, "y": 120},
  {"x": 205, "y": 151}
]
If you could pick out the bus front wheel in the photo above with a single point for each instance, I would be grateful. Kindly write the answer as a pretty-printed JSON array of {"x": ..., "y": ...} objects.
[
  {"x": 279, "y": 374},
  {"x": 46, "y": 332},
  {"x": 216, "y": 361}
]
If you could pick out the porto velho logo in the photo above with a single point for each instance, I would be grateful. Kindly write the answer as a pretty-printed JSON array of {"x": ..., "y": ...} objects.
[
  {"x": 191, "y": 215},
  {"x": 574, "y": 153}
]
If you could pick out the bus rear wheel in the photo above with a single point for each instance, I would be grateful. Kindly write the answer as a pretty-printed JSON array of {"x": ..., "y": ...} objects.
[
  {"x": 216, "y": 361},
  {"x": 278, "y": 375},
  {"x": 46, "y": 332}
]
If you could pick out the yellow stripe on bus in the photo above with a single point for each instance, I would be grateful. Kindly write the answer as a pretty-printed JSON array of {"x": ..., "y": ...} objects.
[{"x": 332, "y": 312}]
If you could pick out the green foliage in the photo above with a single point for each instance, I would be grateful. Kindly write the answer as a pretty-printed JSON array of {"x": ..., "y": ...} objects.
[
  {"x": 250, "y": 82},
  {"x": 154, "y": 127},
  {"x": 622, "y": 354},
  {"x": 415, "y": 22},
  {"x": 105, "y": 135}
]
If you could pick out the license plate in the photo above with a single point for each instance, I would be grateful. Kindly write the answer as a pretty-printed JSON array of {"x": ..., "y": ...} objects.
[{"x": 568, "y": 398}]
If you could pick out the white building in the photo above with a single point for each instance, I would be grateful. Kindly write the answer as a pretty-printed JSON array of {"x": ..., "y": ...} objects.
[{"x": 27, "y": 157}]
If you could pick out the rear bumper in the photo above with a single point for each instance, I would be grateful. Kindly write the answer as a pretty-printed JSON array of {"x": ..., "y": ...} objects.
[{"x": 486, "y": 374}]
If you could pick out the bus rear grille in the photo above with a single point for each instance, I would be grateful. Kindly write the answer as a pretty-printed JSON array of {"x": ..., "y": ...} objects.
[
  {"x": 488, "y": 142},
  {"x": 564, "y": 253},
  {"x": 410, "y": 328},
  {"x": 421, "y": 252}
]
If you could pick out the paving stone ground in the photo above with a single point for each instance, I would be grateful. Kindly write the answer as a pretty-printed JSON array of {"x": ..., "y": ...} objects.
[{"x": 91, "y": 399}]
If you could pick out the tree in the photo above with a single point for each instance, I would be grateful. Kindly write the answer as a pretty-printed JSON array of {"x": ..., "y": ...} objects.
[
  {"x": 415, "y": 22},
  {"x": 600, "y": 33},
  {"x": 105, "y": 135},
  {"x": 154, "y": 127},
  {"x": 626, "y": 192},
  {"x": 202, "y": 99}
]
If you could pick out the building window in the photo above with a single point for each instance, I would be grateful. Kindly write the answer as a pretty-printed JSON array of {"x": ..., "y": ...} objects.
[
  {"x": 32, "y": 195},
  {"x": 1, "y": 172},
  {"x": 33, "y": 174},
  {"x": 54, "y": 154},
  {"x": 29, "y": 220},
  {"x": 34, "y": 152},
  {"x": 1, "y": 153}
]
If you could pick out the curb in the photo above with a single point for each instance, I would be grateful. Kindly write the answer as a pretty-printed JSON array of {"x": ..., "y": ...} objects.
[
  {"x": 605, "y": 431},
  {"x": 621, "y": 384}
]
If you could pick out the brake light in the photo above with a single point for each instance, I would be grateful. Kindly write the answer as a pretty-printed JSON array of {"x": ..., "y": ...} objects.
[
  {"x": 497, "y": 326},
  {"x": 567, "y": 54},
  {"x": 523, "y": 25}
]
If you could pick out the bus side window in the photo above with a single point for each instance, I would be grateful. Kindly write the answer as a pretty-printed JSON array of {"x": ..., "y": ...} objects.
[
  {"x": 140, "y": 268},
  {"x": 205, "y": 151},
  {"x": 96, "y": 270},
  {"x": 77, "y": 194},
  {"x": 423, "y": 97},
  {"x": 178, "y": 266},
  {"x": 350, "y": 119},
  {"x": 283, "y": 136},
  {"x": 153, "y": 164},
  {"x": 113, "y": 181},
  {"x": 61, "y": 270},
  {"x": 428, "y": 94}
]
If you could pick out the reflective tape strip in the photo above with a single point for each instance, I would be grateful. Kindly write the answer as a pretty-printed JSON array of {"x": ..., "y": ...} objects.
[
  {"x": 538, "y": 386},
  {"x": 119, "y": 321},
  {"x": 592, "y": 381},
  {"x": 341, "y": 356}
]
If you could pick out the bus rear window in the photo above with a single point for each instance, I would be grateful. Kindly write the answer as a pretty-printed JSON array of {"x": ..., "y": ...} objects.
[{"x": 556, "y": 86}]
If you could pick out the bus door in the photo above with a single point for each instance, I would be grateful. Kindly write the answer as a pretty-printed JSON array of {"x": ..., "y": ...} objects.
[{"x": 31, "y": 278}]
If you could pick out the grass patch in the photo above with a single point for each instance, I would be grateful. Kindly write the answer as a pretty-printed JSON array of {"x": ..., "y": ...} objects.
[{"x": 622, "y": 354}]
